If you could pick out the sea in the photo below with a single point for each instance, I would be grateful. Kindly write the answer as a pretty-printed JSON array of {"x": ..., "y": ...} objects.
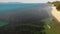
[
  {"x": 23, "y": 11},
  {"x": 13, "y": 6}
]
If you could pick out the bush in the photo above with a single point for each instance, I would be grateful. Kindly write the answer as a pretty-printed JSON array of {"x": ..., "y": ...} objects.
[{"x": 58, "y": 7}]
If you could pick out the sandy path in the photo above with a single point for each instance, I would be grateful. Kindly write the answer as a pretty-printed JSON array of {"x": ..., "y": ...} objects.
[{"x": 56, "y": 13}]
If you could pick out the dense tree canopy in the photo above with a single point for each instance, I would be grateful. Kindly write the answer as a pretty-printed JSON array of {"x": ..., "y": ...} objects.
[{"x": 56, "y": 3}]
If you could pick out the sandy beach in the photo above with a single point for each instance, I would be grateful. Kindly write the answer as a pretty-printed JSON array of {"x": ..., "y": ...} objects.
[{"x": 56, "y": 13}]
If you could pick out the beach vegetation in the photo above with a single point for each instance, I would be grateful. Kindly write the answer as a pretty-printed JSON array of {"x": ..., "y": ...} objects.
[{"x": 56, "y": 4}]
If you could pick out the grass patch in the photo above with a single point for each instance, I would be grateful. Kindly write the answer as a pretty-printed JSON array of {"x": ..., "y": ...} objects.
[{"x": 55, "y": 27}]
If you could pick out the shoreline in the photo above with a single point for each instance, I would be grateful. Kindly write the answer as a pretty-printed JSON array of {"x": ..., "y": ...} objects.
[{"x": 55, "y": 14}]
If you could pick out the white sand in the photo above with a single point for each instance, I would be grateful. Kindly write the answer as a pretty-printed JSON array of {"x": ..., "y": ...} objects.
[{"x": 56, "y": 13}]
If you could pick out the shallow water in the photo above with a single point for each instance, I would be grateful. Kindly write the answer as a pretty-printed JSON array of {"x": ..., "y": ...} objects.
[{"x": 12, "y": 13}]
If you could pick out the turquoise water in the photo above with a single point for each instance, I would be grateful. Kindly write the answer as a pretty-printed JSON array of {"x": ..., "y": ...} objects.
[
  {"x": 4, "y": 7},
  {"x": 3, "y": 23},
  {"x": 9, "y": 7}
]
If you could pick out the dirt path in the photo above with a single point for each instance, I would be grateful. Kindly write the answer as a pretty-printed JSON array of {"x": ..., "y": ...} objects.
[{"x": 56, "y": 13}]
